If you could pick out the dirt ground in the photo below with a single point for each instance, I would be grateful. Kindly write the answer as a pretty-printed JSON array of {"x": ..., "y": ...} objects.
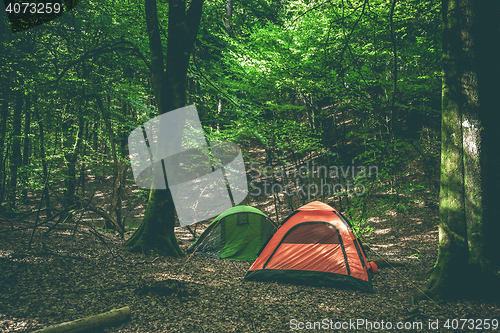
[{"x": 69, "y": 276}]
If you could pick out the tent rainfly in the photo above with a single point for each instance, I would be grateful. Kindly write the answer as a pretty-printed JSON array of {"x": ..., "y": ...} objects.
[
  {"x": 314, "y": 246},
  {"x": 238, "y": 234}
]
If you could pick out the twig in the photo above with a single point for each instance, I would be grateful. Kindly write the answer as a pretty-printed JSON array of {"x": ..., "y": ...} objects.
[
  {"x": 98, "y": 235},
  {"x": 10, "y": 221},
  {"x": 57, "y": 196},
  {"x": 191, "y": 231},
  {"x": 65, "y": 215},
  {"x": 105, "y": 216},
  {"x": 83, "y": 211}
]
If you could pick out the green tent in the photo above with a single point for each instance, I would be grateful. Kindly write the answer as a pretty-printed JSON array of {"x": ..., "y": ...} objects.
[{"x": 237, "y": 234}]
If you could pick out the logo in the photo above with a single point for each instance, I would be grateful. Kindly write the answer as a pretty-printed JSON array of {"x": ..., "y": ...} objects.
[{"x": 205, "y": 179}]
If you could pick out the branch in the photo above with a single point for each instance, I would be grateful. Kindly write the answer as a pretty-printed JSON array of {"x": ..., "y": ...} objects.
[
  {"x": 101, "y": 212},
  {"x": 321, "y": 4},
  {"x": 193, "y": 19},
  {"x": 89, "y": 323},
  {"x": 213, "y": 85},
  {"x": 156, "y": 51},
  {"x": 352, "y": 30},
  {"x": 94, "y": 232},
  {"x": 102, "y": 50},
  {"x": 39, "y": 209}
]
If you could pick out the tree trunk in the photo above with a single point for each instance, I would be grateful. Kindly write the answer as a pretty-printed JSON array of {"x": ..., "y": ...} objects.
[
  {"x": 156, "y": 232},
  {"x": 81, "y": 181},
  {"x": 115, "y": 197},
  {"x": 71, "y": 151},
  {"x": 470, "y": 133},
  {"x": 5, "y": 91},
  {"x": 228, "y": 19},
  {"x": 481, "y": 134},
  {"x": 115, "y": 209},
  {"x": 16, "y": 158},
  {"x": 44, "y": 159},
  {"x": 121, "y": 175},
  {"x": 394, "y": 127},
  {"x": 4, "y": 109},
  {"x": 26, "y": 149}
]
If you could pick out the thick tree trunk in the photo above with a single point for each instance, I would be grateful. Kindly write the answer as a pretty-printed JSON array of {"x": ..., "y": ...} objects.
[
  {"x": 481, "y": 132},
  {"x": 156, "y": 232},
  {"x": 447, "y": 275},
  {"x": 470, "y": 133}
]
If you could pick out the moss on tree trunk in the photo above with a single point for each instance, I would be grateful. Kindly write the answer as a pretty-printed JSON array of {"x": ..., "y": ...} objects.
[
  {"x": 452, "y": 252},
  {"x": 468, "y": 255},
  {"x": 156, "y": 231}
]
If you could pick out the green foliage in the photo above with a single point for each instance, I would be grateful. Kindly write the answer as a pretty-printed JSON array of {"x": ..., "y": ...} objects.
[
  {"x": 300, "y": 79},
  {"x": 358, "y": 218}
]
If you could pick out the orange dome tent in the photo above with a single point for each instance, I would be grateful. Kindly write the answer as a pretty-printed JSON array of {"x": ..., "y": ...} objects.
[{"x": 315, "y": 245}]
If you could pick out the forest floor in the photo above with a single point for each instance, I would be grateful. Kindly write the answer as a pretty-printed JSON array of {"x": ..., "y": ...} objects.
[{"x": 68, "y": 277}]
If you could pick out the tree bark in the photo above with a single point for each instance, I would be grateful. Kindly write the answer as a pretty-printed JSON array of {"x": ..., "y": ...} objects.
[
  {"x": 121, "y": 175},
  {"x": 16, "y": 158},
  {"x": 481, "y": 134},
  {"x": 228, "y": 19},
  {"x": 26, "y": 149},
  {"x": 156, "y": 232},
  {"x": 452, "y": 251},
  {"x": 470, "y": 132},
  {"x": 44, "y": 158},
  {"x": 4, "y": 109},
  {"x": 71, "y": 152},
  {"x": 5, "y": 97},
  {"x": 89, "y": 323},
  {"x": 81, "y": 176},
  {"x": 118, "y": 170}
]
